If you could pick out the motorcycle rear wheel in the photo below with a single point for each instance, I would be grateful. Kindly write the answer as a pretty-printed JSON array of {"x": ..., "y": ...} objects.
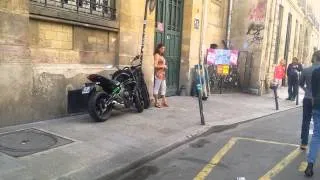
[{"x": 97, "y": 107}]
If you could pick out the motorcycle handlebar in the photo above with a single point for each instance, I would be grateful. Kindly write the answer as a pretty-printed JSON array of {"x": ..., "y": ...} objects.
[{"x": 137, "y": 57}]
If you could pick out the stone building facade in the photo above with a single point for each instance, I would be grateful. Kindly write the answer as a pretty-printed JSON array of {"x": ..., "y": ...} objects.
[
  {"x": 266, "y": 31},
  {"x": 48, "y": 47}
]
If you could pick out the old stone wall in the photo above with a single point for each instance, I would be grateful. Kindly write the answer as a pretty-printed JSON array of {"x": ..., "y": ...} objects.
[
  {"x": 300, "y": 36},
  {"x": 41, "y": 61},
  {"x": 131, "y": 21},
  {"x": 214, "y": 32},
  {"x": 248, "y": 36},
  {"x": 15, "y": 63},
  {"x": 62, "y": 43},
  {"x": 258, "y": 30},
  {"x": 217, "y": 13}
]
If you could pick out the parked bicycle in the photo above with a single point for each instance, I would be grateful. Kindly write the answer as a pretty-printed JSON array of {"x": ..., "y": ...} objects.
[{"x": 226, "y": 82}]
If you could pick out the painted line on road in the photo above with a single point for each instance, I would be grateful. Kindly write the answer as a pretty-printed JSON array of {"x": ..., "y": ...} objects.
[
  {"x": 226, "y": 148},
  {"x": 281, "y": 165},
  {"x": 215, "y": 160},
  {"x": 268, "y": 142},
  {"x": 303, "y": 166}
]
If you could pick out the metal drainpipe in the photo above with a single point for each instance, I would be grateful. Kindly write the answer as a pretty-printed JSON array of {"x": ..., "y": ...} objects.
[
  {"x": 229, "y": 18},
  {"x": 202, "y": 35},
  {"x": 203, "y": 29}
]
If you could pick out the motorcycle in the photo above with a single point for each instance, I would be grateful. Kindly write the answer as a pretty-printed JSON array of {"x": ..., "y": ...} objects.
[
  {"x": 136, "y": 71},
  {"x": 105, "y": 93}
]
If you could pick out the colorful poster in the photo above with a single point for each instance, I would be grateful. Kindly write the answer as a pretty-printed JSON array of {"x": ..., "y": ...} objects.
[
  {"x": 219, "y": 69},
  {"x": 222, "y": 56},
  {"x": 223, "y": 69},
  {"x": 234, "y": 57}
]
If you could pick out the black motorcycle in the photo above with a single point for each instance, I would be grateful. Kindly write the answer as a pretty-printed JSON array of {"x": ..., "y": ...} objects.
[
  {"x": 137, "y": 72},
  {"x": 105, "y": 93}
]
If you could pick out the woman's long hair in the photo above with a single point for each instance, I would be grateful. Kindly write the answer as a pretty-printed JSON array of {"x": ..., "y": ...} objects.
[{"x": 157, "y": 50}]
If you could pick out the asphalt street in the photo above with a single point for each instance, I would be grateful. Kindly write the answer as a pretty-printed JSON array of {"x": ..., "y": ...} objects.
[{"x": 267, "y": 148}]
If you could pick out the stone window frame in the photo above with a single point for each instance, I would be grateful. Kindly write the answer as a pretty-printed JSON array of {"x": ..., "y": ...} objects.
[{"x": 88, "y": 13}]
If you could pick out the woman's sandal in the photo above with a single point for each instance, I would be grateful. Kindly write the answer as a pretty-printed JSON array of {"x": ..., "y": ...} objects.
[
  {"x": 157, "y": 105},
  {"x": 165, "y": 105}
]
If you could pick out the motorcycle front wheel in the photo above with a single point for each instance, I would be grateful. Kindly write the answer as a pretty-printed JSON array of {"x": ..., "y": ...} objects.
[
  {"x": 145, "y": 95},
  {"x": 138, "y": 103},
  {"x": 98, "y": 108}
]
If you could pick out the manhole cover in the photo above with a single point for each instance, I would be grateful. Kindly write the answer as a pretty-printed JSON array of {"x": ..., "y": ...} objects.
[{"x": 29, "y": 141}]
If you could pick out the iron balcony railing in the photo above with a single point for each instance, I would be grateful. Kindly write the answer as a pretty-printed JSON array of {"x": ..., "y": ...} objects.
[{"x": 104, "y": 8}]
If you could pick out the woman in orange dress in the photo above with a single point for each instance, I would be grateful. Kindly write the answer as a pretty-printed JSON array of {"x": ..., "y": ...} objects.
[{"x": 160, "y": 68}]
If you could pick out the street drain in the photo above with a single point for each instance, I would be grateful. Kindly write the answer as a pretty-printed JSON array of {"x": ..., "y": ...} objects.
[{"x": 29, "y": 141}]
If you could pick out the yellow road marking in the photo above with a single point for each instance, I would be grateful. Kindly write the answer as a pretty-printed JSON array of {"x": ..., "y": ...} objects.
[
  {"x": 215, "y": 160},
  {"x": 268, "y": 142},
  {"x": 281, "y": 165},
  {"x": 303, "y": 166},
  {"x": 222, "y": 152}
]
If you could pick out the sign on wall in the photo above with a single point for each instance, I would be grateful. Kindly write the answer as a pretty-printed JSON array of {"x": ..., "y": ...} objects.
[
  {"x": 223, "y": 69},
  {"x": 160, "y": 27},
  {"x": 222, "y": 56},
  {"x": 196, "y": 23}
]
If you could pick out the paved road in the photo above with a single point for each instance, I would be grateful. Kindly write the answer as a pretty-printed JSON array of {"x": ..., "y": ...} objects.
[{"x": 263, "y": 149}]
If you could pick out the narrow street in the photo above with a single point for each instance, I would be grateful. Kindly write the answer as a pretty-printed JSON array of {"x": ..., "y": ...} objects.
[
  {"x": 263, "y": 149},
  {"x": 80, "y": 79}
]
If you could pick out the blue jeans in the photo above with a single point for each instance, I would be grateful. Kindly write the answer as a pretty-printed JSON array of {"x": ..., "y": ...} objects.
[
  {"x": 315, "y": 141},
  {"x": 307, "y": 114}
]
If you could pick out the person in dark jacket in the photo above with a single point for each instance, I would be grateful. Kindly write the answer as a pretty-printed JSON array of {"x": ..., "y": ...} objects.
[
  {"x": 293, "y": 78},
  {"x": 305, "y": 84},
  {"x": 315, "y": 141}
]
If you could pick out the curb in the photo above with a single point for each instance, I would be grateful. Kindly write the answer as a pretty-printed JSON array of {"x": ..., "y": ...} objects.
[{"x": 98, "y": 172}]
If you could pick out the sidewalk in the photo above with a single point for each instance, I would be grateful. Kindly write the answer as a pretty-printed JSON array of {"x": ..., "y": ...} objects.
[{"x": 129, "y": 139}]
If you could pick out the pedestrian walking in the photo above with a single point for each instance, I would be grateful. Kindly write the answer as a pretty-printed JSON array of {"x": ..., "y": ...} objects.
[
  {"x": 293, "y": 77},
  {"x": 160, "y": 68},
  {"x": 305, "y": 84},
  {"x": 279, "y": 73},
  {"x": 315, "y": 141}
]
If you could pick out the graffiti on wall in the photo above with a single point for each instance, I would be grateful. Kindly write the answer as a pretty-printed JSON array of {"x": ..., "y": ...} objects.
[
  {"x": 256, "y": 22},
  {"x": 255, "y": 33}
]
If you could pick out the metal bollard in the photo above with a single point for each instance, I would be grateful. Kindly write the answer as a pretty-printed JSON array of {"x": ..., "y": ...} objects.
[
  {"x": 274, "y": 87},
  {"x": 297, "y": 98},
  {"x": 297, "y": 89},
  {"x": 221, "y": 82}
]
